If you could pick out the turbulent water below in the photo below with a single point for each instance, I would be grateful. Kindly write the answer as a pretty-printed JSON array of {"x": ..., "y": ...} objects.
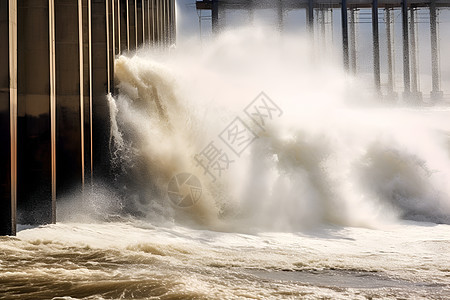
[{"x": 136, "y": 260}]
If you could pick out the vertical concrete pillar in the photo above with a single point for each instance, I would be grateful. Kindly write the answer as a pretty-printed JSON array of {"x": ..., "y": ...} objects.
[
  {"x": 322, "y": 14},
  {"x": 149, "y": 22},
  {"x": 415, "y": 93},
  {"x": 167, "y": 22},
  {"x": 155, "y": 30},
  {"x": 123, "y": 25},
  {"x": 117, "y": 29},
  {"x": 114, "y": 35},
  {"x": 6, "y": 202},
  {"x": 102, "y": 84},
  {"x": 390, "y": 61},
  {"x": 139, "y": 23},
  {"x": 52, "y": 83},
  {"x": 144, "y": 21},
  {"x": 110, "y": 46},
  {"x": 331, "y": 31},
  {"x": 406, "y": 71},
  {"x": 85, "y": 97},
  {"x": 280, "y": 14},
  {"x": 83, "y": 79},
  {"x": 136, "y": 20},
  {"x": 131, "y": 14},
  {"x": 8, "y": 116},
  {"x": 376, "y": 47},
  {"x": 321, "y": 21},
  {"x": 215, "y": 16},
  {"x": 353, "y": 12},
  {"x": 344, "y": 23},
  {"x": 69, "y": 95},
  {"x": 250, "y": 12},
  {"x": 152, "y": 5},
  {"x": 88, "y": 126},
  {"x": 36, "y": 158},
  {"x": 12, "y": 43},
  {"x": 436, "y": 93},
  {"x": 310, "y": 17},
  {"x": 164, "y": 22},
  {"x": 158, "y": 20},
  {"x": 158, "y": 17},
  {"x": 173, "y": 24}
]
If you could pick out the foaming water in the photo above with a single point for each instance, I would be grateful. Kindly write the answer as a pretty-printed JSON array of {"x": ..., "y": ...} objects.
[
  {"x": 136, "y": 260},
  {"x": 334, "y": 156}
]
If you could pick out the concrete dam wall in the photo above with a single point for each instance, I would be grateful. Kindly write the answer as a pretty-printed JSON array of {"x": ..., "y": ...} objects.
[{"x": 56, "y": 68}]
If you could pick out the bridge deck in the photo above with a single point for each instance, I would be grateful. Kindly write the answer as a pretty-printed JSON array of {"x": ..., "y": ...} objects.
[{"x": 298, "y": 4}]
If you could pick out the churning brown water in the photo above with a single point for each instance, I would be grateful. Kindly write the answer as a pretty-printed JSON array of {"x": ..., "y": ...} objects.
[{"x": 137, "y": 261}]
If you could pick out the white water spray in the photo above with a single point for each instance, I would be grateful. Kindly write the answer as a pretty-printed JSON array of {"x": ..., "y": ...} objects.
[{"x": 334, "y": 156}]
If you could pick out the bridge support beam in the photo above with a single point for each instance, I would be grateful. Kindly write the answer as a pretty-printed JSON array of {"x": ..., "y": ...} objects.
[
  {"x": 310, "y": 24},
  {"x": 321, "y": 36},
  {"x": 215, "y": 16},
  {"x": 416, "y": 95},
  {"x": 102, "y": 83},
  {"x": 280, "y": 13},
  {"x": 122, "y": 26},
  {"x": 310, "y": 17},
  {"x": 36, "y": 117},
  {"x": 158, "y": 16},
  {"x": 436, "y": 93},
  {"x": 8, "y": 117},
  {"x": 406, "y": 71},
  {"x": 353, "y": 12},
  {"x": 166, "y": 12},
  {"x": 152, "y": 13},
  {"x": 72, "y": 93},
  {"x": 172, "y": 25},
  {"x": 390, "y": 60},
  {"x": 139, "y": 22},
  {"x": 344, "y": 22},
  {"x": 250, "y": 12},
  {"x": 376, "y": 47},
  {"x": 131, "y": 25},
  {"x": 145, "y": 21}
]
